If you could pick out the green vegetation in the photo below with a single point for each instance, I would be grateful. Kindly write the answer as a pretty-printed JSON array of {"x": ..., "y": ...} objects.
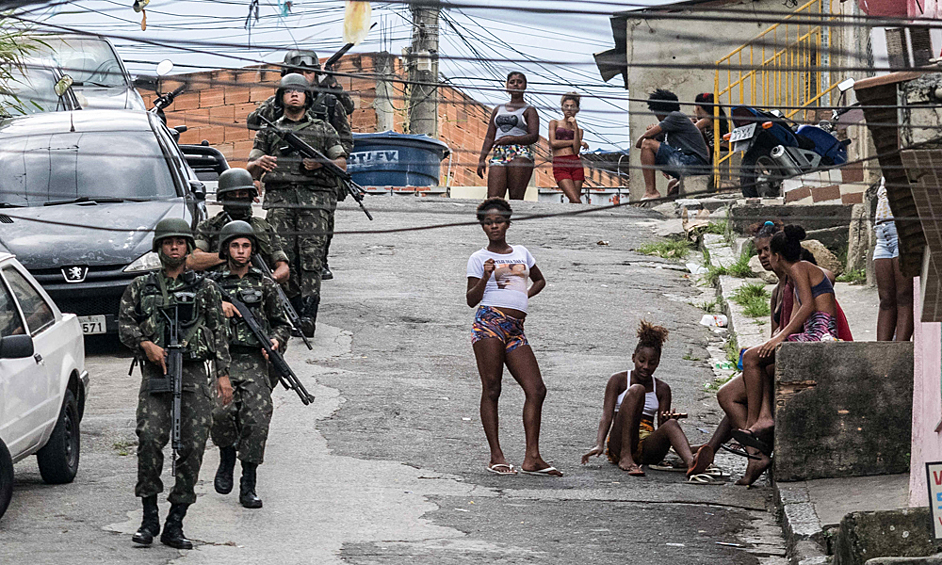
[
  {"x": 689, "y": 357},
  {"x": 740, "y": 268},
  {"x": 731, "y": 347},
  {"x": 754, "y": 299},
  {"x": 718, "y": 228},
  {"x": 670, "y": 249},
  {"x": 858, "y": 276},
  {"x": 13, "y": 50},
  {"x": 123, "y": 447},
  {"x": 711, "y": 307},
  {"x": 717, "y": 383}
]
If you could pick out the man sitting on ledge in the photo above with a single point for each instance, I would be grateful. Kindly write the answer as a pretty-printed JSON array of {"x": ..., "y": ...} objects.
[{"x": 673, "y": 145}]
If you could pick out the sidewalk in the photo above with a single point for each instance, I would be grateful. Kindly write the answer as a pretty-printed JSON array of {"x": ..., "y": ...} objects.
[{"x": 811, "y": 511}]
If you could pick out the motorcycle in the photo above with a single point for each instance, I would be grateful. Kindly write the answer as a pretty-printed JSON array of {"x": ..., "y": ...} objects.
[
  {"x": 164, "y": 100},
  {"x": 776, "y": 148}
]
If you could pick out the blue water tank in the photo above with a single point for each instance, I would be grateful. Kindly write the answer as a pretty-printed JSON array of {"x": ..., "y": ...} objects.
[{"x": 396, "y": 159}]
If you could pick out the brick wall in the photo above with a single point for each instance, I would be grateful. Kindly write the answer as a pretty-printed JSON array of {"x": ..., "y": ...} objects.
[
  {"x": 216, "y": 103},
  {"x": 834, "y": 186}
]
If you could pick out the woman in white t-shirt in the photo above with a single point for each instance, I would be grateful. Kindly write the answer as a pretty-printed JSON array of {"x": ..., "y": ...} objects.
[{"x": 497, "y": 284}]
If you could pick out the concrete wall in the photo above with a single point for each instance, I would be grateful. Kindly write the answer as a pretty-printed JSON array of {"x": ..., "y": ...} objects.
[
  {"x": 927, "y": 403},
  {"x": 678, "y": 41},
  {"x": 842, "y": 409}
]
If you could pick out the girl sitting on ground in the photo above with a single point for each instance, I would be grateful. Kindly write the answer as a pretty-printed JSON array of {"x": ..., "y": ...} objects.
[{"x": 632, "y": 400}]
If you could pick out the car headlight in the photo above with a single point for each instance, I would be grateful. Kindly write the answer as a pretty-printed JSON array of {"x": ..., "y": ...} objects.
[{"x": 146, "y": 262}]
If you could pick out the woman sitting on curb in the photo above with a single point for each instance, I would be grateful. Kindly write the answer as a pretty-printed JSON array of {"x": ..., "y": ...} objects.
[
  {"x": 816, "y": 316},
  {"x": 632, "y": 399}
]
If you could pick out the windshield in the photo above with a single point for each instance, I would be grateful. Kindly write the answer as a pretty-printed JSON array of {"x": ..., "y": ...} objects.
[
  {"x": 29, "y": 94},
  {"x": 90, "y": 61},
  {"x": 36, "y": 169}
]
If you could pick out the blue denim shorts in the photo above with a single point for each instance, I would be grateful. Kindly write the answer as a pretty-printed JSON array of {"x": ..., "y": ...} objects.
[
  {"x": 678, "y": 164},
  {"x": 887, "y": 241}
]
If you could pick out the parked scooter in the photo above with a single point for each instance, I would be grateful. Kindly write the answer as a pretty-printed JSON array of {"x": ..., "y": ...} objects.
[
  {"x": 164, "y": 100},
  {"x": 777, "y": 148}
]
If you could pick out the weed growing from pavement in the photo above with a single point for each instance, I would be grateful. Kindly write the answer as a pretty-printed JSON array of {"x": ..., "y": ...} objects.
[
  {"x": 718, "y": 382},
  {"x": 857, "y": 276},
  {"x": 741, "y": 268},
  {"x": 689, "y": 357},
  {"x": 122, "y": 447},
  {"x": 754, "y": 299},
  {"x": 670, "y": 249},
  {"x": 718, "y": 228},
  {"x": 711, "y": 307},
  {"x": 731, "y": 347}
]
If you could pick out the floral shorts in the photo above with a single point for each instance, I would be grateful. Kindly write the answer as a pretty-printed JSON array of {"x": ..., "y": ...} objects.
[
  {"x": 645, "y": 428},
  {"x": 490, "y": 323},
  {"x": 820, "y": 326},
  {"x": 504, "y": 154}
]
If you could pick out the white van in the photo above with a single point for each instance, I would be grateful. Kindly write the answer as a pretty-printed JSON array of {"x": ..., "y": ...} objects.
[{"x": 43, "y": 380}]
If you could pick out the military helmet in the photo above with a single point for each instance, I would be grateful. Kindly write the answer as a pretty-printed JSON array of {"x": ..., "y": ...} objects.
[
  {"x": 294, "y": 81},
  {"x": 233, "y": 230},
  {"x": 173, "y": 227},
  {"x": 235, "y": 179},
  {"x": 298, "y": 59}
]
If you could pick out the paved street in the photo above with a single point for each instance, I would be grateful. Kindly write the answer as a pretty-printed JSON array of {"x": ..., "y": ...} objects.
[{"x": 388, "y": 465}]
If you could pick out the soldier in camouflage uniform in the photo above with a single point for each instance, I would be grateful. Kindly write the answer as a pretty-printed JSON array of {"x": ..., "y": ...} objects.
[
  {"x": 142, "y": 328},
  {"x": 236, "y": 192},
  {"x": 328, "y": 93},
  {"x": 242, "y": 426},
  {"x": 300, "y": 195}
]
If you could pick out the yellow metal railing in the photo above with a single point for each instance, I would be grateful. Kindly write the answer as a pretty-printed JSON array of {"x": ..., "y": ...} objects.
[{"x": 779, "y": 68}]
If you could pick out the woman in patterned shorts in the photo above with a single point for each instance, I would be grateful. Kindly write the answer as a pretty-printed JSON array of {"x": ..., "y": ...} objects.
[{"x": 498, "y": 284}]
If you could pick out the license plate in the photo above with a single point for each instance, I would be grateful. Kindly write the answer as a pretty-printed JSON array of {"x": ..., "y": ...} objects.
[
  {"x": 92, "y": 325},
  {"x": 742, "y": 133}
]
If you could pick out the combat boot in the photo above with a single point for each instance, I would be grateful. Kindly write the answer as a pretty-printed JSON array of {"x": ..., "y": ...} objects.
[
  {"x": 308, "y": 314},
  {"x": 296, "y": 304},
  {"x": 326, "y": 274},
  {"x": 247, "y": 496},
  {"x": 173, "y": 528},
  {"x": 227, "y": 459},
  {"x": 150, "y": 525}
]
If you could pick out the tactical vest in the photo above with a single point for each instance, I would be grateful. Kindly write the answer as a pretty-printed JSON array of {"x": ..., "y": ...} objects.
[
  {"x": 290, "y": 169},
  {"x": 157, "y": 302},
  {"x": 325, "y": 107},
  {"x": 250, "y": 291}
]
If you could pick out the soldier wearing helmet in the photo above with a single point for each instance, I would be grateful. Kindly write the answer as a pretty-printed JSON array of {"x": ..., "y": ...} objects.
[
  {"x": 300, "y": 196},
  {"x": 327, "y": 94},
  {"x": 142, "y": 327},
  {"x": 240, "y": 429},
  {"x": 236, "y": 192}
]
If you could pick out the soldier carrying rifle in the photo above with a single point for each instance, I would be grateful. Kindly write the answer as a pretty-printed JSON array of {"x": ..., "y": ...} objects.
[
  {"x": 172, "y": 320},
  {"x": 241, "y": 428}
]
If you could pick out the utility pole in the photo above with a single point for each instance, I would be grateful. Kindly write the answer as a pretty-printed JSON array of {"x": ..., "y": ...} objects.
[{"x": 423, "y": 69}]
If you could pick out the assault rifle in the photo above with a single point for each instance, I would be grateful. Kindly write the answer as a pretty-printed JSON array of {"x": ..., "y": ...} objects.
[
  {"x": 295, "y": 142},
  {"x": 285, "y": 374},
  {"x": 293, "y": 317},
  {"x": 332, "y": 60},
  {"x": 173, "y": 380}
]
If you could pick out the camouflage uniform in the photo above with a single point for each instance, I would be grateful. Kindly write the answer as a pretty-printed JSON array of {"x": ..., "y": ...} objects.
[
  {"x": 269, "y": 246},
  {"x": 323, "y": 109},
  {"x": 139, "y": 320},
  {"x": 300, "y": 202},
  {"x": 244, "y": 422}
]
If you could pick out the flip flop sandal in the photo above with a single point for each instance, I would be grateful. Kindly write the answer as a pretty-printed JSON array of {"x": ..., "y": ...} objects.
[
  {"x": 636, "y": 472},
  {"x": 739, "y": 452},
  {"x": 704, "y": 479},
  {"x": 716, "y": 472},
  {"x": 494, "y": 469},
  {"x": 667, "y": 467},
  {"x": 542, "y": 472},
  {"x": 749, "y": 439},
  {"x": 703, "y": 454}
]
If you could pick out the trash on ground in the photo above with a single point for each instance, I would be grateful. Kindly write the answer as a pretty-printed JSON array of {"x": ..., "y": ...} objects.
[
  {"x": 602, "y": 242},
  {"x": 727, "y": 544},
  {"x": 696, "y": 269},
  {"x": 714, "y": 321}
]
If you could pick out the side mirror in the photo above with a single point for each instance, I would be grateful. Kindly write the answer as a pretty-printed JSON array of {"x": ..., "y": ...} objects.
[
  {"x": 179, "y": 129},
  {"x": 846, "y": 84},
  {"x": 63, "y": 85},
  {"x": 164, "y": 67},
  {"x": 198, "y": 189},
  {"x": 16, "y": 346}
]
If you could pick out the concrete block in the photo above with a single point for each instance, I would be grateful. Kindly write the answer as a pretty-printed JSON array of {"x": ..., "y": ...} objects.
[
  {"x": 823, "y": 256},
  {"x": 835, "y": 239},
  {"x": 843, "y": 409},
  {"x": 742, "y": 215},
  {"x": 865, "y": 536},
  {"x": 696, "y": 185}
]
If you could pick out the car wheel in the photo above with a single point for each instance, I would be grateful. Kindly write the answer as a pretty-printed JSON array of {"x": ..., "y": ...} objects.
[
  {"x": 59, "y": 458},
  {"x": 6, "y": 478}
]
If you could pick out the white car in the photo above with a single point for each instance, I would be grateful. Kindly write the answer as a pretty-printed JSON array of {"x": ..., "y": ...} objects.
[{"x": 43, "y": 380}]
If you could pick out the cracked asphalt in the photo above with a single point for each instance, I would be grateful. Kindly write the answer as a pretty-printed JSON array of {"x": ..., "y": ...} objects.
[{"x": 387, "y": 466}]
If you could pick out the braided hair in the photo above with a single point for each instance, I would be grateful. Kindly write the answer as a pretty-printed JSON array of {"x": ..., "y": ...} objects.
[
  {"x": 651, "y": 336},
  {"x": 787, "y": 242}
]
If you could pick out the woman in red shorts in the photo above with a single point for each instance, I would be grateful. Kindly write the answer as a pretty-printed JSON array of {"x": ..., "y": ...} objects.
[{"x": 565, "y": 139}]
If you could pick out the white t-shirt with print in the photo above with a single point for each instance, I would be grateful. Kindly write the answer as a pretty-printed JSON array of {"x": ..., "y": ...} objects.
[{"x": 508, "y": 284}]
